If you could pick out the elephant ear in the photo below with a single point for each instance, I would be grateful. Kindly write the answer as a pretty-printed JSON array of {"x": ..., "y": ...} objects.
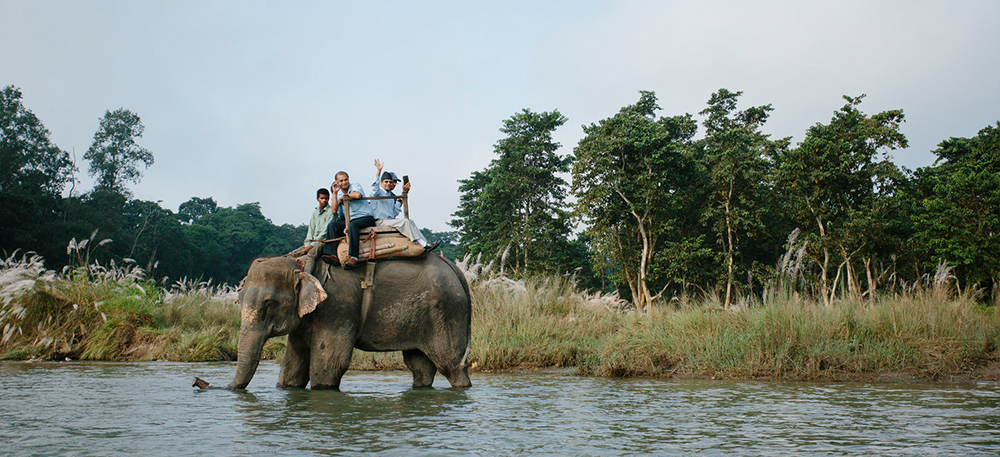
[
  {"x": 239, "y": 291},
  {"x": 311, "y": 293}
]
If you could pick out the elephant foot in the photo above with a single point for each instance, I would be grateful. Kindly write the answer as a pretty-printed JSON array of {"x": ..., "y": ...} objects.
[
  {"x": 325, "y": 387},
  {"x": 200, "y": 383},
  {"x": 460, "y": 380}
]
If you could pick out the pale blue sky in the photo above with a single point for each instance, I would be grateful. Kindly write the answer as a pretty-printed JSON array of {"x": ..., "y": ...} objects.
[{"x": 265, "y": 101}]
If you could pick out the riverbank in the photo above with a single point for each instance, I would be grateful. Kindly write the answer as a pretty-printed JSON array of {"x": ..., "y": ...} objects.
[{"x": 928, "y": 333}]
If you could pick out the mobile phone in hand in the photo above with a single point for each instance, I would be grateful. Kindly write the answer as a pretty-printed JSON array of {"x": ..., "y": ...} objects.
[{"x": 406, "y": 179}]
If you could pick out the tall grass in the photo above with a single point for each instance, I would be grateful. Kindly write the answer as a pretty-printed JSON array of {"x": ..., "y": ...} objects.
[
  {"x": 925, "y": 330},
  {"x": 95, "y": 312},
  {"x": 929, "y": 331}
]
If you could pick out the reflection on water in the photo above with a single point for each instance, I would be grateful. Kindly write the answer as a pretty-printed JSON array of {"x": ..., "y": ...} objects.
[{"x": 149, "y": 408}]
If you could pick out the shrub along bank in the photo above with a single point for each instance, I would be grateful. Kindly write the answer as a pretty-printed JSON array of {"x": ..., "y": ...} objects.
[{"x": 96, "y": 313}]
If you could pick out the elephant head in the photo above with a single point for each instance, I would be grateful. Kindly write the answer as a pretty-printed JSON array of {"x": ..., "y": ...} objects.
[{"x": 274, "y": 298}]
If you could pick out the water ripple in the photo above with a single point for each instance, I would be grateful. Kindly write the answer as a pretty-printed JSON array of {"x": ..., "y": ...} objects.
[{"x": 148, "y": 408}]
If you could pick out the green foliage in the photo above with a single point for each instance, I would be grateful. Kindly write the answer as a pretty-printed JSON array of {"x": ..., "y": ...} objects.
[
  {"x": 33, "y": 173},
  {"x": 29, "y": 162},
  {"x": 957, "y": 207},
  {"x": 738, "y": 159},
  {"x": 114, "y": 154},
  {"x": 515, "y": 209},
  {"x": 449, "y": 242},
  {"x": 224, "y": 242},
  {"x": 218, "y": 245},
  {"x": 195, "y": 208},
  {"x": 838, "y": 186},
  {"x": 639, "y": 192}
]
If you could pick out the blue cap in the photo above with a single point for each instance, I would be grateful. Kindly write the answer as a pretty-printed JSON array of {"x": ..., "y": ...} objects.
[{"x": 390, "y": 175}]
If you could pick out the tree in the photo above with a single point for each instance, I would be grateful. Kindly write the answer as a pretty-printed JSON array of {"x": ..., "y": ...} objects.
[
  {"x": 29, "y": 162},
  {"x": 449, "y": 242},
  {"x": 517, "y": 205},
  {"x": 957, "y": 211},
  {"x": 234, "y": 237},
  {"x": 471, "y": 221},
  {"x": 114, "y": 154},
  {"x": 33, "y": 173},
  {"x": 195, "y": 208},
  {"x": 837, "y": 182},
  {"x": 736, "y": 155},
  {"x": 638, "y": 190}
]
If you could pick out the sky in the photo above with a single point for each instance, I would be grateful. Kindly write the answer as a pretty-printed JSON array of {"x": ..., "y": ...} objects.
[{"x": 248, "y": 101}]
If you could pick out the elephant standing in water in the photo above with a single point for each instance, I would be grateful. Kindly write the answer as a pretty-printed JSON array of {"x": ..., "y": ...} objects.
[{"x": 421, "y": 307}]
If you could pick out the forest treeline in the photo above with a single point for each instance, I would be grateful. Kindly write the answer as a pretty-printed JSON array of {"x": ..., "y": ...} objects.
[
  {"x": 660, "y": 213},
  {"x": 201, "y": 241},
  {"x": 736, "y": 213}
]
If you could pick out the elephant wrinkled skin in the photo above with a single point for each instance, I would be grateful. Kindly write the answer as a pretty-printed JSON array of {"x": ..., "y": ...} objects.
[{"x": 421, "y": 307}]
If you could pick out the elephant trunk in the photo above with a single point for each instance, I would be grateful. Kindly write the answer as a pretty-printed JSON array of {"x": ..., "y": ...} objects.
[{"x": 251, "y": 343}]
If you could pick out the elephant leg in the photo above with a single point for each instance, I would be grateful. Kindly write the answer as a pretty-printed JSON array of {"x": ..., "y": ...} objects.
[
  {"x": 452, "y": 365},
  {"x": 330, "y": 358},
  {"x": 295, "y": 363},
  {"x": 421, "y": 366}
]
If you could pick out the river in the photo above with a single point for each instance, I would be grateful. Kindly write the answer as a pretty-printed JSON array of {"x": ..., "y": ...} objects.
[{"x": 85, "y": 408}]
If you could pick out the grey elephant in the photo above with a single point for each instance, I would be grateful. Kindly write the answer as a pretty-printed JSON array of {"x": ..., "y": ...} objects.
[{"x": 421, "y": 307}]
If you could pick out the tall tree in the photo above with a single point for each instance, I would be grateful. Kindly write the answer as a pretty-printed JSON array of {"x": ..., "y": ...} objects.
[
  {"x": 114, "y": 154},
  {"x": 33, "y": 172},
  {"x": 836, "y": 182},
  {"x": 736, "y": 155},
  {"x": 637, "y": 186},
  {"x": 957, "y": 214},
  {"x": 517, "y": 205}
]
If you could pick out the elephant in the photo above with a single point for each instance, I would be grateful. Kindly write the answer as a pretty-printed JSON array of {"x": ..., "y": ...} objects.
[{"x": 421, "y": 307}]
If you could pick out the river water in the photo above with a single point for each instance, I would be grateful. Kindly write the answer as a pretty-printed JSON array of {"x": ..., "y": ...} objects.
[{"x": 79, "y": 408}]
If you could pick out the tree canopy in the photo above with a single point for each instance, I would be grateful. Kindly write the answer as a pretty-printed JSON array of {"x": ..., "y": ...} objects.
[
  {"x": 33, "y": 174},
  {"x": 837, "y": 183},
  {"x": 638, "y": 187},
  {"x": 956, "y": 211},
  {"x": 515, "y": 210},
  {"x": 661, "y": 212},
  {"x": 738, "y": 158},
  {"x": 115, "y": 155}
]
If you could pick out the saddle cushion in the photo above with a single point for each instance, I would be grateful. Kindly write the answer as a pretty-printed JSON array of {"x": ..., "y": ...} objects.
[{"x": 389, "y": 244}]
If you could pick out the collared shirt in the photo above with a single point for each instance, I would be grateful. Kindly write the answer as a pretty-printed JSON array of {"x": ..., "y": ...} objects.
[
  {"x": 359, "y": 208},
  {"x": 384, "y": 209},
  {"x": 317, "y": 224}
]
